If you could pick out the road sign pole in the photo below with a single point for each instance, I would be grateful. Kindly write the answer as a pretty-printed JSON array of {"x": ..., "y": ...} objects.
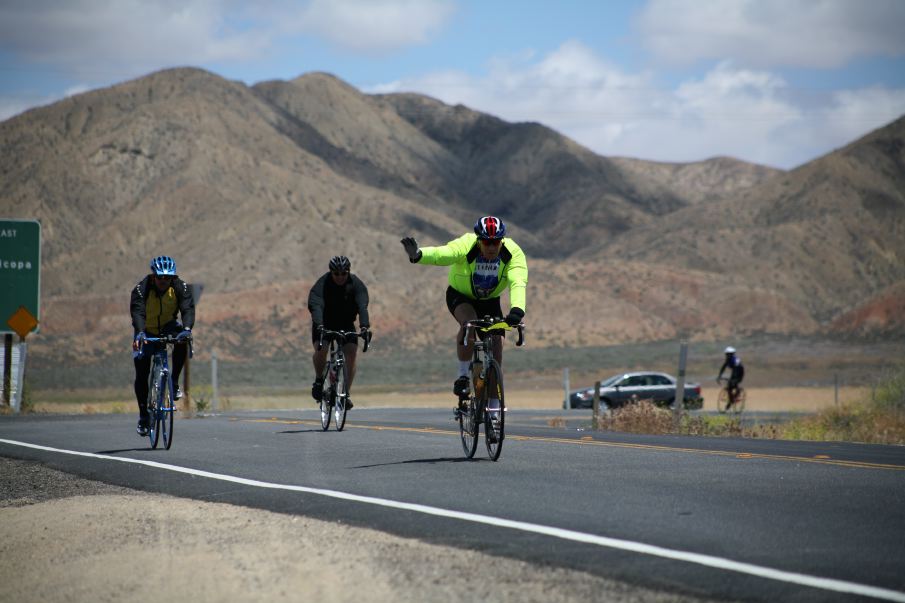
[
  {"x": 215, "y": 403},
  {"x": 186, "y": 380},
  {"x": 7, "y": 367},
  {"x": 566, "y": 401},
  {"x": 19, "y": 398},
  {"x": 596, "y": 406}
]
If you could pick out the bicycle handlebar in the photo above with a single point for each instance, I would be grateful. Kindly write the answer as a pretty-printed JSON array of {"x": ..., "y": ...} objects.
[
  {"x": 342, "y": 335},
  {"x": 490, "y": 323},
  {"x": 170, "y": 339}
]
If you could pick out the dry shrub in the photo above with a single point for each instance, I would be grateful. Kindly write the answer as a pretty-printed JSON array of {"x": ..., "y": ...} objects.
[
  {"x": 642, "y": 416},
  {"x": 646, "y": 417},
  {"x": 556, "y": 422}
]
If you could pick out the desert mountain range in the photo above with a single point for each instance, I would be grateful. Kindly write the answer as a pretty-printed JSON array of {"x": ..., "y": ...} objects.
[{"x": 253, "y": 188}]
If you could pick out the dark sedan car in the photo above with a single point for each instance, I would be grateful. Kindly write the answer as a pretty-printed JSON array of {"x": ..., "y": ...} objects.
[{"x": 628, "y": 387}]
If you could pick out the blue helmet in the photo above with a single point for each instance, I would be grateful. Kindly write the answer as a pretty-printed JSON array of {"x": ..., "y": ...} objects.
[
  {"x": 490, "y": 227},
  {"x": 163, "y": 265}
]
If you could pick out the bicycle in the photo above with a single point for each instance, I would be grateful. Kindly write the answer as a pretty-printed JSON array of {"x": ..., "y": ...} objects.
[
  {"x": 486, "y": 404},
  {"x": 722, "y": 399},
  {"x": 335, "y": 392},
  {"x": 161, "y": 405}
]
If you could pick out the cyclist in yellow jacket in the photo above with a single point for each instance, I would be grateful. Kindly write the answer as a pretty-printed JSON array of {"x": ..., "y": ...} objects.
[
  {"x": 482, "y": 265},
  {"x": 156, "y": 303}
]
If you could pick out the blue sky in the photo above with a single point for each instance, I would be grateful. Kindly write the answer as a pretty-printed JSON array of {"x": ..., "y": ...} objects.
[{"x": 778, "y": 82}]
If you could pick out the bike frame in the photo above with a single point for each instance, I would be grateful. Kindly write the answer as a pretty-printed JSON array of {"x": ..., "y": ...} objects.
[
  {"x": 161, "y": 377},
  {"x": 734, "y": 405},
  {"x": 333, "y": 369},
  {"x": 485, "y": 341}
]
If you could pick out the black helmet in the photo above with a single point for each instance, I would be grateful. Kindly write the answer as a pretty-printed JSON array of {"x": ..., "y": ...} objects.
[{"x": 340, "y": 263}]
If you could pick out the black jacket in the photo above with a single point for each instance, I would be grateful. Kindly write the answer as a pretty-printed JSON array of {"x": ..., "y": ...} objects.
[
  {"x": 336, "y": 306},
  {"x": 139, "y": 302},
  {"x": 734, "y": 364}
]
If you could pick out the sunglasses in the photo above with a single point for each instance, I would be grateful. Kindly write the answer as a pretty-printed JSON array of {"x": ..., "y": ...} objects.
[
  {"x": 163, "y": 277},
  {"x": 491, "y": 242},
  {"x": 339, "y": 273}
]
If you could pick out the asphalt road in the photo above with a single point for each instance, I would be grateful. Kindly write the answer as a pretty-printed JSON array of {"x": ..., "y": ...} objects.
[{"x": 725, "y": 518}]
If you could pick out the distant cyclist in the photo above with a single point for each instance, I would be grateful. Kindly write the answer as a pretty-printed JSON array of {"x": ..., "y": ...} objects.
[
  {"x": 734, "y": 364},
  {"x": 482, "y": 264},
  {"x": 155, "y": 303},
  {"x": 334, "y": 302}
]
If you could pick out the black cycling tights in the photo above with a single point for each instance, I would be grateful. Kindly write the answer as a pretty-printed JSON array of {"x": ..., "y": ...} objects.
[{"x": 143, "y": 370}]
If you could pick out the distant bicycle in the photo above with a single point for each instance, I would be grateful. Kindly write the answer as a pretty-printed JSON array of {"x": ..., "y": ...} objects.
[
  {"x": 487, "y": 403},
  {"x": 336, "y": 377},
  {"x": 161, "y": 406},
  {"x": 722, "y": 400}
]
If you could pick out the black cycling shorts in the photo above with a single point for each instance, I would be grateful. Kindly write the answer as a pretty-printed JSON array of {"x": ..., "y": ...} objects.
[{"x": 483, "y": 307}]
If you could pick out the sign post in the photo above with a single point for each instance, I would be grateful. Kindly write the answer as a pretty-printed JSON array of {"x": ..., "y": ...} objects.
[
  {"x": 679, "y": 401},
  {"x": 187, "y": 406},
  {"x": 20, "y": 295}
]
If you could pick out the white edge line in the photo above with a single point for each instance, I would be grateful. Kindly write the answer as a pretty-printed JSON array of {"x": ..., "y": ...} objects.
[{"x": 604, "y": 541}]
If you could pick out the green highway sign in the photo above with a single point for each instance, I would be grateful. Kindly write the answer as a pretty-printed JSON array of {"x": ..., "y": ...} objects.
[{"x": 20, "y": 271}]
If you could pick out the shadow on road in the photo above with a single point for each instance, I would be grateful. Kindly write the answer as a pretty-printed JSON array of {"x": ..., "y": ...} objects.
[{"x": 428, "y": 461}]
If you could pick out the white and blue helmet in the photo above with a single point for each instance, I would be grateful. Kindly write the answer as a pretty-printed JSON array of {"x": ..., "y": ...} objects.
[{"x": 163, "y": 265}]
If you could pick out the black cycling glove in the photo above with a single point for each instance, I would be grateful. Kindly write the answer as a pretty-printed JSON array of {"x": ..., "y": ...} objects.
[
  {"x": 515, "y": 316},
  {"x": 411, "y": 248}
]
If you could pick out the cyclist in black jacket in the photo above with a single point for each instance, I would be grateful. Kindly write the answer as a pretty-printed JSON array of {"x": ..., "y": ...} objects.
[
  {"x": 155, "y": 302},
  {"x": 334, "y": 301},
  {"x": 737, "y": 373}
]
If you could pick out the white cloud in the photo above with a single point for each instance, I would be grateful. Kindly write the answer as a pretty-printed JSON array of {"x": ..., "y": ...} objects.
[
  {"x": 374, "y": 25},
  {"x": 111, "y": 39},
  {"x": 749, "y": 114},
  {"x": 769, "y": 33}
]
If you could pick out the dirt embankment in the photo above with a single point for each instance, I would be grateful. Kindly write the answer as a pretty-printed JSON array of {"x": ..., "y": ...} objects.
[{"x": 63, "y": 538}]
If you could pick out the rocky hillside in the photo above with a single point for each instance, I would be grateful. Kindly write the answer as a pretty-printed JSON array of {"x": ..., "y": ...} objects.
[{"x": 252, "y": 189}]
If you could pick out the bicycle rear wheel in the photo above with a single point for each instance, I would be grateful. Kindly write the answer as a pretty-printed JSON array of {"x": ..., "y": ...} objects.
[
  {"x": 154, "y": 404},
  {"x": 494, "y": 416},
  {"x": 468, "y": 427},
  {"x": 342, "y": 395},
  {"x": 166, "y": 412},
  {"x": 740, "y": 398}
]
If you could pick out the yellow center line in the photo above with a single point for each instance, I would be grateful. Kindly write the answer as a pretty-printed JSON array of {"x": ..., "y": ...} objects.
[{"x": 819, "y": 459}]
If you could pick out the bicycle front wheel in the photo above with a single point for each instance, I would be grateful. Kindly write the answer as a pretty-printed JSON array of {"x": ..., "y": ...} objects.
[
  {"x": 154, "y": 405},
  {"x": 722, "y": 399},
  {"x": 342, "y": 396},
  {"x": 166, "y": 411},
  {"x": 494, "y": 411}
]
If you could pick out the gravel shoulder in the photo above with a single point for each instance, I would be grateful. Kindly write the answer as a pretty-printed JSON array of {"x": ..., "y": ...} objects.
[{"x": 64, "y": 538}]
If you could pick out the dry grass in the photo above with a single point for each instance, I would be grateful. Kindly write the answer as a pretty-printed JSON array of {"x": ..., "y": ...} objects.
[
  {"x": 877, "y": 417},
  {"x": 803, "y": 399}
]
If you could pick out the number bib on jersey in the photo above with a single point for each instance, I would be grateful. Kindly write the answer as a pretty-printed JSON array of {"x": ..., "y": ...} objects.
[{"x": 485, "y": 278}]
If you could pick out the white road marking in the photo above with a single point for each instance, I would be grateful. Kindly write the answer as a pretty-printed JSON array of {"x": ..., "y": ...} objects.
[{"x": 613, "y": 543}]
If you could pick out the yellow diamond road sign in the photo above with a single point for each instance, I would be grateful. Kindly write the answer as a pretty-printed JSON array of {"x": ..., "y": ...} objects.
[{"x": 22, "y": 322}]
